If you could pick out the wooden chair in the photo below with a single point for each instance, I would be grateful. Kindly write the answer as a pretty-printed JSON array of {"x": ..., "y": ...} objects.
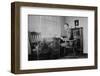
[{"x": 34, "y": 38}]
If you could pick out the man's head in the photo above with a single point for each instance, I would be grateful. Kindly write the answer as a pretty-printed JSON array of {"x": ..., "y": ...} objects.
[{"x": 66, "y": 26}]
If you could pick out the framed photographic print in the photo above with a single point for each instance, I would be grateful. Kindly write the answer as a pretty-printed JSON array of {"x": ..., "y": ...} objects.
[{"x": 52, "y": 37}]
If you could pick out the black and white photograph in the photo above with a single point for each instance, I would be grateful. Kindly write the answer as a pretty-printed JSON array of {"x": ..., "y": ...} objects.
[{"x": 53, "y": 37}]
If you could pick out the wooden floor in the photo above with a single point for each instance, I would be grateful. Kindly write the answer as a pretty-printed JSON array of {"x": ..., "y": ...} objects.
[
  {"x": 75, "y": 56},
  {"x": 70, "y": 56}
]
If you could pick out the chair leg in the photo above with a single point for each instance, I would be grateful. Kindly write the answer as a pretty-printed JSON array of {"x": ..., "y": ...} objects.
[{"x": 74, "y": 53}]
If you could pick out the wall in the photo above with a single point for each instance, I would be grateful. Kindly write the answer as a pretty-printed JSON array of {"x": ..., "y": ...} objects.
[
  {"x": 5, "y": 38},
  {"x": 33, "y": 23},
  {"x": 48, "y": 26}
]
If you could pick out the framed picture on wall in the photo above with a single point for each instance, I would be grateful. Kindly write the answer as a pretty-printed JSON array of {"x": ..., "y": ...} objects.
[{"x": 43, "y": 35}]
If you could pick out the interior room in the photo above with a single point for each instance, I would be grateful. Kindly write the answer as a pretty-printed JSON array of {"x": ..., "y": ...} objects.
[{"x": 57, "y": 37}]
